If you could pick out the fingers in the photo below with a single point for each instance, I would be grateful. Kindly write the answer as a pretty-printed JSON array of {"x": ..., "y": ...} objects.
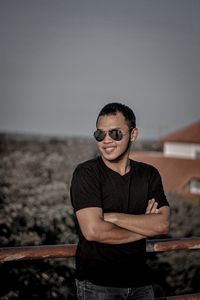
[
  {"x": 152, "y": 207},
  {"x": 149, "y": 206}
]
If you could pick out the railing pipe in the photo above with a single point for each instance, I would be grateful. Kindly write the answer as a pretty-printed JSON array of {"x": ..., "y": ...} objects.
[
  {"x": 182, "y": 297},
  {"x": 163, "y": 245},
  {"x": 69, "y": 250},
  {"x": 36, "y": 252}
]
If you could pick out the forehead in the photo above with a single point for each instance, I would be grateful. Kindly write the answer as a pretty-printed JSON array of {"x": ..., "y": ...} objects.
[{"x": 112, "y": 121}]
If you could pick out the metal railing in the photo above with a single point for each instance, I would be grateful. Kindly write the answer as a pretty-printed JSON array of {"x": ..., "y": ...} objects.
[{"x": 69, "y": 250}]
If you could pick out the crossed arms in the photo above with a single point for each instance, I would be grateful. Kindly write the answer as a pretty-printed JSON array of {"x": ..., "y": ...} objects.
[{"x": 119, "y": 228}]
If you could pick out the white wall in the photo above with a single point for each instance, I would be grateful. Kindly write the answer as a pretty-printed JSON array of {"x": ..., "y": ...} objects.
[
  {"x": 182, "y": 150},
  {"x": 195, "y": 186}
]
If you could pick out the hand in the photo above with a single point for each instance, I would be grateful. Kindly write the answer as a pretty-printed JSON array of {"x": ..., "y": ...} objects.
[{"x": 152, "y": 207}]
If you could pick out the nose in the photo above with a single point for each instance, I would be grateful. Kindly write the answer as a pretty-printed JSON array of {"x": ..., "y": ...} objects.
[{"x": 107, "y": 138}]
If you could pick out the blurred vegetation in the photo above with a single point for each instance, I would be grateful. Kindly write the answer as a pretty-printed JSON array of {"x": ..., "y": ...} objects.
[
  {"x": 35, "y": 209},
  {"x": 178, "y": 272}
]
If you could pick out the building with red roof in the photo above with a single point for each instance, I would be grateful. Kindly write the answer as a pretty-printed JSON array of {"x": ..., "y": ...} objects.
[
  {"x": 184, "y": 142},
  {"x": 179, "y": 164}
]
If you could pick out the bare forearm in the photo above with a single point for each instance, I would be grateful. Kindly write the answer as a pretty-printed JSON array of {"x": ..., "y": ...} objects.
[
  {"x": 109, "y": 233},
  {"x": 95, "y": 228},
  {"x": 147, "y": 224}
]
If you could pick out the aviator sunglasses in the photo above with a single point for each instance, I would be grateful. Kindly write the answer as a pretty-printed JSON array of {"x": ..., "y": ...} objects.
[{"x": 115, "y": 134}]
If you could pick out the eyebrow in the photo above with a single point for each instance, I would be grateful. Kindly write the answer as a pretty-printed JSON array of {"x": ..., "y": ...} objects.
[{"x": 116, "y": 128}]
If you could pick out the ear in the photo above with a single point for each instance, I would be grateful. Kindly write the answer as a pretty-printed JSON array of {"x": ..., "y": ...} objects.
[{"x": 134, "y": 134}]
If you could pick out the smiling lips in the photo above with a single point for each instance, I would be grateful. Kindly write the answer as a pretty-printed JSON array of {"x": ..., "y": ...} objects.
[{"x": 109, "y": 149}]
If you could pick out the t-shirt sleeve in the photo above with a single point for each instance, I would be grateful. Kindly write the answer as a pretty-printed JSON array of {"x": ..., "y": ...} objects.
[
  {"x": 156, "y": 189},
  {"x": 85, "y": 189}
]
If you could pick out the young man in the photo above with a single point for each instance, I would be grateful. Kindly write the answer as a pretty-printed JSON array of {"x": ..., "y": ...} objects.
[{"x": 118, "y": 203}]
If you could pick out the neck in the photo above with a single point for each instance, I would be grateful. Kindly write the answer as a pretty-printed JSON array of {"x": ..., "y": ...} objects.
[{"x": 121, "y": 166}]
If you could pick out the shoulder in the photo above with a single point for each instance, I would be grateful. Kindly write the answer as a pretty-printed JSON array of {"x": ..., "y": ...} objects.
[
  {"x": 144, "y": 169},
  {"x": 89, "y": 167},
  {"x": 88, "y": 164}
]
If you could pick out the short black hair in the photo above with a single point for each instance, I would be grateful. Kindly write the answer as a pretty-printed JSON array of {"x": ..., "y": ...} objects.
[{"x": 115, "y": 107}]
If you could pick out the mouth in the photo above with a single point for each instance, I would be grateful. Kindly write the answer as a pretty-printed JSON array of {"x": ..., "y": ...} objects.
[{"x": 109, "y": 149}]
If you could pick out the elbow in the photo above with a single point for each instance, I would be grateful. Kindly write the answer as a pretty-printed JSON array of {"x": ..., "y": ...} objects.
[
  {"x": 91, "y": 235},
  {"x": 164, "y": 228},
  {"x": 167, "y": 228},
  {"x": 161, "y": 229},
  {"x": 165, "y": 222}
]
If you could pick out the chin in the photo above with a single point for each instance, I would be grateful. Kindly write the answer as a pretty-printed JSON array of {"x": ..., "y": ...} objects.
[
  {"x": 115, "y": 157},
  {"x": 112, "y": 157},
  {"x": 109, "y": 157}
]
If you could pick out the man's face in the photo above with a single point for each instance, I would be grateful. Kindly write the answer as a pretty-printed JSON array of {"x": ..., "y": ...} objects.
[{"x": 110, "y": 149}]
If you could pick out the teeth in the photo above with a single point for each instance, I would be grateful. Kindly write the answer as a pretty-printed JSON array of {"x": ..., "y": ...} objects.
[{"x": 109, "y": 149}]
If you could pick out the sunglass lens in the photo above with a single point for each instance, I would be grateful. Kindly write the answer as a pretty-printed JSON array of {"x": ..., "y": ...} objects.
[
  {"x": 116, "y": 134},
  {"x": 99, "y": 135}
]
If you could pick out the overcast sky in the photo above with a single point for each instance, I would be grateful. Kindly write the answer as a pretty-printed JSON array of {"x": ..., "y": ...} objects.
[{"x": 61, "y": 61}]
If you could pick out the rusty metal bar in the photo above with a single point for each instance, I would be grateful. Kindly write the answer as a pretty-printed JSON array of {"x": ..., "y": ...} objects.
[
  {"x": 182, "y": 297},
  {"x": 163, "y": 245},
  {"x": 69, "y": 250},
  {"x": 36, "y": 252}
]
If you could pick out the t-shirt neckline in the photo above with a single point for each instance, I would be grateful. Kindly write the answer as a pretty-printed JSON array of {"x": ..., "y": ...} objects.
[{"x": 115, "y": 172}]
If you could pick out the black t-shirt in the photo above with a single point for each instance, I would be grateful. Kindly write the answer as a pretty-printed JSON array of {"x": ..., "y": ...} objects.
[{"x": 96, "y": 185}]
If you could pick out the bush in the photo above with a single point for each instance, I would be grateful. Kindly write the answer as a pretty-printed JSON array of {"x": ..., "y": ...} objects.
[
  {"x": 178, "y": 271},
  {"x": 35, "y": 209}
]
